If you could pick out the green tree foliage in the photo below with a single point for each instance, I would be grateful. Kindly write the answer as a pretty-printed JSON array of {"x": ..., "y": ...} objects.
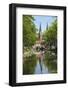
[
  {"x": 29, "y": 30},
  {"x": 50, "y": 35}
]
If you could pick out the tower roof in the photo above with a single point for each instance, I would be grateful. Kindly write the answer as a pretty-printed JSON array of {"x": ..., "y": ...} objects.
[
  {"x": 40, "y": 30},
  {"x": 47, "y": 27}
]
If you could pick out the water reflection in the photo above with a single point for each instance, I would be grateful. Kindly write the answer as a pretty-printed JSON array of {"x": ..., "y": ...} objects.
[
  {"x": 50, "y": 61},
  {"x": 41, "y": 63},
  {"x": 29, "y": 64}
]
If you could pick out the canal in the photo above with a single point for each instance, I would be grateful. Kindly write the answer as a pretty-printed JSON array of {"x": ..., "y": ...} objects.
[{"x": 40, "y": 63}]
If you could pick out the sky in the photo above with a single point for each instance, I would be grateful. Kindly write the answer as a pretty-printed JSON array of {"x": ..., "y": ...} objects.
[{"x": 43, "y": 20}]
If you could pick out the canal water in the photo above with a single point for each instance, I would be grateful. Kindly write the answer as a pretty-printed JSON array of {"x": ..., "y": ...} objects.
[{"x": 41, "y": 63}]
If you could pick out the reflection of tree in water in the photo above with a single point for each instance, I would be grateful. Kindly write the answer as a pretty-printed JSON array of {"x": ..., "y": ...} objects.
[
  {"x": 51, "y": 61},
  {"x": 29, "y": 65}
]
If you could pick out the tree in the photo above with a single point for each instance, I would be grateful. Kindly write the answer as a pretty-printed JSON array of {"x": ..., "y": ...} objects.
[
  {"x": 29, "y": 30},
  {"x": 50, "y": 35}
]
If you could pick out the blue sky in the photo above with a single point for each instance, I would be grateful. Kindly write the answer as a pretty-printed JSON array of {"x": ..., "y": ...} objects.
[{"x": 44, "y": 20}]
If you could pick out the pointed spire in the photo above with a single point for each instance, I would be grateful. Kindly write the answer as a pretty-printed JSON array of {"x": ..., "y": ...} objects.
[
  {"x": 47, "y": 27},
  {"x": 40, "y": 31},
  {"x": 40, "y": 27}
]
